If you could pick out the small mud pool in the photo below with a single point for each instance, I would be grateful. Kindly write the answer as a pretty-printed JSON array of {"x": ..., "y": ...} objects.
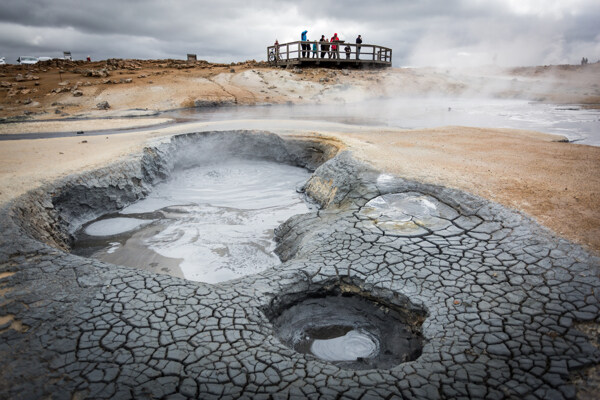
[
  {"x": 408, "y": 214},
  {"x": 350, "y": 331},
  {"x": 208, "y": 223}
]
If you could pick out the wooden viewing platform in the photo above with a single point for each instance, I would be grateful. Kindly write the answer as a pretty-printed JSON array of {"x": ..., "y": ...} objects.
[{"x": 368, "y": 55}]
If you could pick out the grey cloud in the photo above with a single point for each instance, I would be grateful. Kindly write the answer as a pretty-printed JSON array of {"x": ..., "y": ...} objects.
[{"x": 231, "y": 30}]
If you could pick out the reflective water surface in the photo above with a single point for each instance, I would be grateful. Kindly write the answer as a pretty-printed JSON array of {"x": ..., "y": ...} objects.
[
  {"x": 577, "y": 123},
  {"x": 353, "y": 345}
]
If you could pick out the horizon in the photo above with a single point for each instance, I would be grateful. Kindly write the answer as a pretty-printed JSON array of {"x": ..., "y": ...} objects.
[{"x": 75, "y": 59}]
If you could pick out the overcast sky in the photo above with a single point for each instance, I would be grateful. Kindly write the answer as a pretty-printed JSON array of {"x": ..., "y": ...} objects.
[{"x": 420, "y": 32}]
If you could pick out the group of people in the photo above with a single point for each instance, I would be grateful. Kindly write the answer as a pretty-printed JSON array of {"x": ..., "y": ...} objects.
[{"x": 331, "y": 48}]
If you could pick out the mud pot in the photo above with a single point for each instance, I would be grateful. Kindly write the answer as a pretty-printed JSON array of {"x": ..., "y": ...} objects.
[
  {"x": 208, "y": 223},
  {"x": 389, "y": 288},
  {"x": 350, "y": 330}
]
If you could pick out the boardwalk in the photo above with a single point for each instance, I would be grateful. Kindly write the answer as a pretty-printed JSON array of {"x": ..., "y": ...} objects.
[{"x": 358, "y": 55}]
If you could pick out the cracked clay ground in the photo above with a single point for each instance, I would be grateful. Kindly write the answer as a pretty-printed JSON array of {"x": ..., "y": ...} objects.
[{"x": 502, "y": 297}]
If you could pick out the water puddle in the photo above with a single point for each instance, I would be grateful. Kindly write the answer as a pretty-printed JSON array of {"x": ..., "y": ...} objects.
[
  {"x": 209, "y": 223},
  {"x": 330, "y": 344},
  {"x": 577, "y": 123}
]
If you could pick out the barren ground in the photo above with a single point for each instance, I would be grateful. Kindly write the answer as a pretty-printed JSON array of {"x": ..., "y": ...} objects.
[{"x": 556, "y": 183}]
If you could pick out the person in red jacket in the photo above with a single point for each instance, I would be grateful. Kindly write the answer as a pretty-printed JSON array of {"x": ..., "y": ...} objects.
[{"x": 335, "y": 48}]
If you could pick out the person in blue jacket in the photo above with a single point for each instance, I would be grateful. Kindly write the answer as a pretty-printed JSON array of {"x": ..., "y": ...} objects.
[{"x": 305, "y": 46}]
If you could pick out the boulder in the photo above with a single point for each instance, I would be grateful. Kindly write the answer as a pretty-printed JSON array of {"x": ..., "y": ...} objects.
[{"x": 103, "y": 105}]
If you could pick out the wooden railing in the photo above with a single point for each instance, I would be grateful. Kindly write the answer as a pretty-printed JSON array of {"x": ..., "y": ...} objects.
[{"x": 303, "y": 53}]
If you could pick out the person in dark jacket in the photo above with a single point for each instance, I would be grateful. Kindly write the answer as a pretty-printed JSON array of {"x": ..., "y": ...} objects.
[
  {"x": 358, "y": 43},
  {"x": 324, "y": 47},
  {"x": 305, "y": 46}
]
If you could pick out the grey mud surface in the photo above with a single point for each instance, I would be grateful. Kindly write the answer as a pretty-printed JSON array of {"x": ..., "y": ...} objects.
[{"x": 502, "y": 297}]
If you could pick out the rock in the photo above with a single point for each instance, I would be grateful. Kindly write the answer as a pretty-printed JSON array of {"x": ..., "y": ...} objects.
[
  {"x": 27, "y": 101},
  {"x": 126, "y": 80},
  {"x": 77, "y": 93},
  {"x": 5, "y": 84},
  {"x": 96, "y": 73},
  {"x": 103, "y": 105},
  {"x": 19, "y": 78},
  {"x": 61, "y": 90},
  {"x": 213, "y": 103},
  {"x": 64, "y": 83}
]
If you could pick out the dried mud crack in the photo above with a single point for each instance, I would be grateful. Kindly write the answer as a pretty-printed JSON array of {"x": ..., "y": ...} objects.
[{"x": 500, "y": 297}]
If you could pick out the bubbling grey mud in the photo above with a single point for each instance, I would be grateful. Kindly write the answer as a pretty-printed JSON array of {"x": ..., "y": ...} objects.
[
  {"x": 208, "y": 223},
  {"x": 498, "y": 304}
]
